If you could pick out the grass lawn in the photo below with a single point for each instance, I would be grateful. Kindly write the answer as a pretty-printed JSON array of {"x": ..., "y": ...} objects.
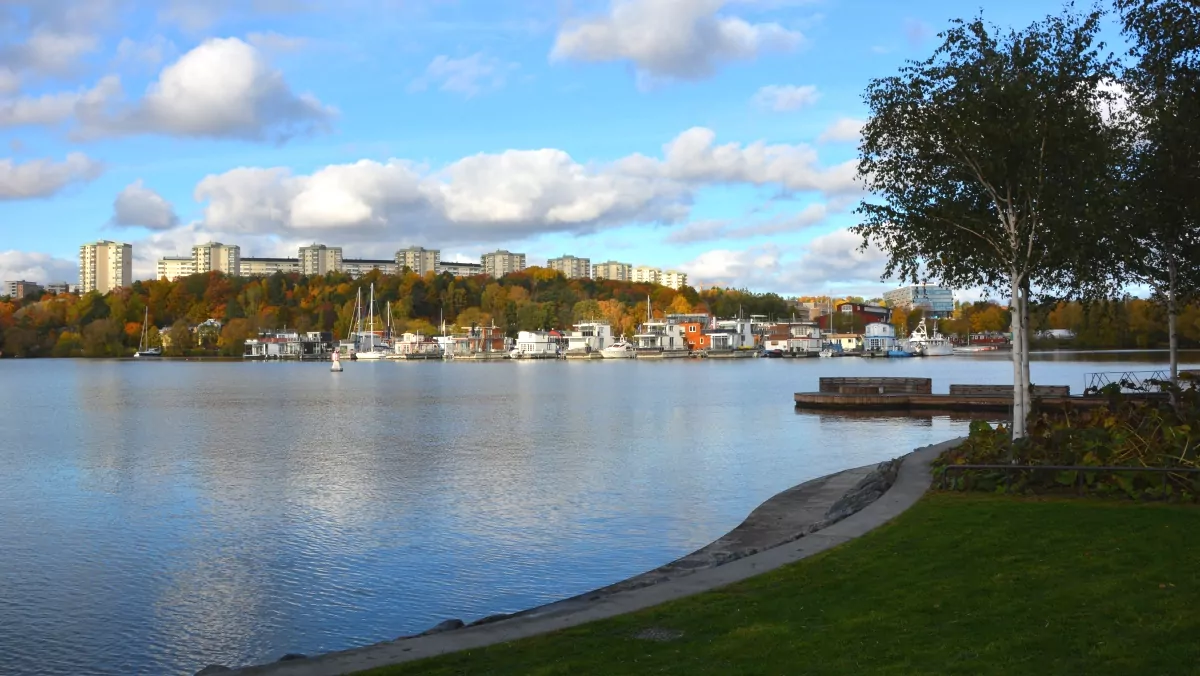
[{"x": 959, "y": 584}]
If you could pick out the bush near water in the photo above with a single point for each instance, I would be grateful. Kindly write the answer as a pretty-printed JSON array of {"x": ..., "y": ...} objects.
[{"x": 1139, "y": 430}]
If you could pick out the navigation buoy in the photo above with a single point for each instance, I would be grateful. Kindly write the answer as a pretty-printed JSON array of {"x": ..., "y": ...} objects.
[{"x": 336, "y": 366}]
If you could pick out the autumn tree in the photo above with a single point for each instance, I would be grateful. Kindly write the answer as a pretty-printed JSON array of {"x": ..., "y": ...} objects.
[{"x": 990, "y": 165}]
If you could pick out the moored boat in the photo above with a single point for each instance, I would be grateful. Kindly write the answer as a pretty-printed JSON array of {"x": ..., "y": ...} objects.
[{"x": 618, "y": 350}]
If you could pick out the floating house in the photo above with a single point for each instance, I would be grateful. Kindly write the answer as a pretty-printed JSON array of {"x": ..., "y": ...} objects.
[{"x": 313, "y": 345}]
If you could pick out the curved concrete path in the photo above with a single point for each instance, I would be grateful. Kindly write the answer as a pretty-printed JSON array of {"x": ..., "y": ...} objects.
[{"x": 647, "y": 590}]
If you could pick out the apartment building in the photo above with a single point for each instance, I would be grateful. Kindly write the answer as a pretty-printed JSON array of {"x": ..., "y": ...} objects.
[
  {"x": 357, "y": 267},
  {"x": 571, "y": 267},
  {"x": 216, "y": 257},
  {"x": 318, "y": 259},
  {"x": 59, "y": 287},
  {"x": 673, "y": 279},
  {"x": 460, "y": 269},
  {"x": 501, "y": 262},
  {"x": 264, "y": 267},
  {"x": 104, "y": 266},
  {"x": 644, "y": 274},
  {"x": 172, "y": 268},
  {"x": 419, "y": 259},
  {"x": 618, "y": 272},
  {"x": 20, "y": 288},
  {"x": 936, "y": 301}
]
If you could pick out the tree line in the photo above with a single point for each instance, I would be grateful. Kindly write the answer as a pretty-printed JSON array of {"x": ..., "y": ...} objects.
[{"x": 110, "y": 325}]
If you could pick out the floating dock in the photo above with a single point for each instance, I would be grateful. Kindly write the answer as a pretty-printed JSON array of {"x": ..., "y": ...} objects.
[{"x": 916, "y": 394}]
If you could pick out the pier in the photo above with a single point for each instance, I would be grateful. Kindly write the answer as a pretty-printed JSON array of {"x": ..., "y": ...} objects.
[{"x": 916, "y": 394}]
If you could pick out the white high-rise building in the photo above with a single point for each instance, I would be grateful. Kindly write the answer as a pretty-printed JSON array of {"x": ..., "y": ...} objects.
[
  {"x": 216, "y": 257},
  {"x": 104, "y": 266},
  {"x": 172, "y": 268},
  {"x": 643, "y": 274},
  {"x": 419, "y": 260},
  {"x": 318, "y": 259},
  {"x": 618, "y": 272},
  {"x": 501, "y": 262},
  {"x": 673, "y": 279},
  {"x": 571, "y": 267}
]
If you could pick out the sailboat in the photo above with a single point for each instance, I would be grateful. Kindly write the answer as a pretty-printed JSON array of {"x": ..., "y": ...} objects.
[
  {"x": 373, "y": 352},
  {"x": 144, "y": 349}
]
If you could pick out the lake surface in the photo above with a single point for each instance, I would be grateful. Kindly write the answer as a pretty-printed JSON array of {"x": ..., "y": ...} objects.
[{"x": 156, "y": 517}]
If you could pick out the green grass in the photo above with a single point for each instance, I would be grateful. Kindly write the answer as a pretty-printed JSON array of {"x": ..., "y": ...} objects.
[{"x": 959, "y": 584}]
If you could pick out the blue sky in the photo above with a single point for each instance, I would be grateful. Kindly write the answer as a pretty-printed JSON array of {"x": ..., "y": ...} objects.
[{"x": 711, "y": 136}]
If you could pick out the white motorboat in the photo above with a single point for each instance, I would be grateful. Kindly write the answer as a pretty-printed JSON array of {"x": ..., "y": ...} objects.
[
  {"x": 619, "y": 350},
  {"x": 922, "y": 343}
]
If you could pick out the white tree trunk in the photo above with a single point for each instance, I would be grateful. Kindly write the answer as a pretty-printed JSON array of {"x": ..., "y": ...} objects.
[
  {"x": 1172, "y": 316},
  {"x": 1020, "y": 356}
]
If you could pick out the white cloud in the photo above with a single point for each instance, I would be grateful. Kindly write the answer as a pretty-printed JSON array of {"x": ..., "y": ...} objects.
[
  {"x": 44, "y": 178},
  {"x": 828, "y": 262},
  {"x": 37, "y": 267},
  {"x": 702, "y": 231},
  {"x": 10, "y": 81},
  {"x": 52, "y": 109},
  {"x": 516, "y": 193},
  {"x": 221, "y": 89},
  {"x": 843, "y": 130},
  {"x": 693, "y": 156},
  {"x": 148, "y": 53},
  {"x": 273, "y": 42},
  {"x": 47, "y": 52},
  {"x": 786, "y": 98},
  {"x": 469, "y": 76},
  {"x": 670, "y": 39},
  {"x": 138, "y": 205}
]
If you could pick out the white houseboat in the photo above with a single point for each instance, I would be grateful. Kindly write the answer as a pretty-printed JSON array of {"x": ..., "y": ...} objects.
[
  {"x": 588, "y": 339},
  {"x": 660, "y": 339},
  {"x": 536, "y": 345}
]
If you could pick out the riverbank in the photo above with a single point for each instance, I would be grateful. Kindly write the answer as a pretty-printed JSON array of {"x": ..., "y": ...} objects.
[
  {"x": 809, "y": 519},
  {"x": 959, "y": 584}
]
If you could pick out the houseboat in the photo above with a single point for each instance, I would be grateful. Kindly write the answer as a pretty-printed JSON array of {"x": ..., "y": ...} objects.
[
  {"x": 416, "y": 346},
  {"x": 270, "y": 345},
  {"x": 660, "y": 339},
  {"x": 588, "y": 339},
  {"x": 536, "y": 345}
]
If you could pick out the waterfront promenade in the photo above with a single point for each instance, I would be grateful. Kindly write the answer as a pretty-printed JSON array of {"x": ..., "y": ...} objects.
[{"x": 795, "y": 521}]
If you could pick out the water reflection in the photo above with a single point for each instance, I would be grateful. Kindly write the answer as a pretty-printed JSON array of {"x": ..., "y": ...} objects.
[{"x": 157, "y": 517}]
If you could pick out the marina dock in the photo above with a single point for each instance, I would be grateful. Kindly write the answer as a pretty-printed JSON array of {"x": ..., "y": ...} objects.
[{"x": 916, "y": 394}]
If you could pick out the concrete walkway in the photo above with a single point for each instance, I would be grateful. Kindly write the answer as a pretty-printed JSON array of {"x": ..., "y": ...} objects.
[{"x": 787, "y": 510}]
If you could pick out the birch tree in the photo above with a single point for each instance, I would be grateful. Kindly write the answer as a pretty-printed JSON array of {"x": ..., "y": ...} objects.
[
  {"x": 1163, "y": 115},
  {"x": 990, "y": 165}
]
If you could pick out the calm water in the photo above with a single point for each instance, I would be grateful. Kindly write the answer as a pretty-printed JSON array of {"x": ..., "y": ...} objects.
[{"x": 156, "y": 517}]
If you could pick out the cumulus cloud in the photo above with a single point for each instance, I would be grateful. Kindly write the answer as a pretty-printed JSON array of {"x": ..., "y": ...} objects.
[
  {"x": 494, "y": 197},
  {"x": 709, "y": 230},
  {"x": 670, "y": 39},
  {"x": 47, "y": 52},
  {"x": 785, "y": 98},
  {"x": 44, "y": 178},
  {"x": 223, "y": 88},
  {"x": 56, "y": 108},
  {"x": 843, "y": 130},
  {"x": 831, "y": 261},
  {"x": 139, "y": 206},
  {"x": 469, "y": 76},
  {"x": 37, "y": 267},
  {"x": 694, "y": 156}
]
